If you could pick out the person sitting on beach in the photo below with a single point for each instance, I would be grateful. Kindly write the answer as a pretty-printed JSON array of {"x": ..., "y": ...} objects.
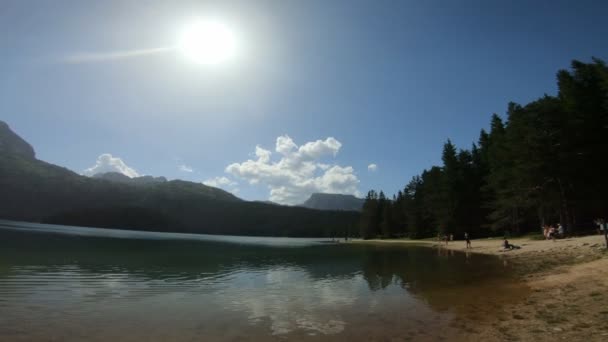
[{"x": 509, "y": 246}]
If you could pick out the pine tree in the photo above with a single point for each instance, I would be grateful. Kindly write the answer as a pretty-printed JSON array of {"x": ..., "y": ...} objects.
[
  {"x": 369, "y": 216},
  {"x": 545, "y": 163}
]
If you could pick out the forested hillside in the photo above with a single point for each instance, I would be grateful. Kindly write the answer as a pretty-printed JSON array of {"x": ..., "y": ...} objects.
[
  {"x": 546, "y": 163},
  {"x": 33, "y": 190}
]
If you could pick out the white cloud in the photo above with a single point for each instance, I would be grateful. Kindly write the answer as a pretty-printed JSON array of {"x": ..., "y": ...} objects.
[
  {"x": 372, "y": 167},
  {"x": 185, "y": 168},
  {"x": 219, "y": 181},
  {"x": 262, "y": 154},
  {"x": 285, "y": 145},
  {"x": 299, "y": 172},
  {"x": 107, "y": 163},
  {"x": 319, "y": 148},
  {"x": 223, "y": 183}
]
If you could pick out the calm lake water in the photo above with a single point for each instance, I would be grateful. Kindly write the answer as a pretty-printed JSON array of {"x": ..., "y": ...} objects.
[{"x": 76, "y": 284}]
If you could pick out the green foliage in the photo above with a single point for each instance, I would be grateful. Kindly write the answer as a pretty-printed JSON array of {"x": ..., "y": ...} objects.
[
  {"x": 370, "y": 219},
  {"x": 545, "y": 164}
]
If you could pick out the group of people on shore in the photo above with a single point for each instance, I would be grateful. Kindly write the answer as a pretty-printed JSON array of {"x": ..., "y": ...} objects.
[
  {"x": 550, "y": 232},
  {"x": 450, "y": 237},
  {"x": 447, "y": 238}
]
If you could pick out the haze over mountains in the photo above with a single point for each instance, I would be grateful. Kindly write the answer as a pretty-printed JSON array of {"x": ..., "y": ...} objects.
[{"x": 33, "y": 190}]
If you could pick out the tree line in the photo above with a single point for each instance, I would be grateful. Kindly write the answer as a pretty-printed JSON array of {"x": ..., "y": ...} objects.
[{"x": 546, "y": 163}]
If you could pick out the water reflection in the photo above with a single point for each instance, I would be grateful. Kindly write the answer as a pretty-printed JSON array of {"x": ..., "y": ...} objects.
[{"x": 73, "y": 285}]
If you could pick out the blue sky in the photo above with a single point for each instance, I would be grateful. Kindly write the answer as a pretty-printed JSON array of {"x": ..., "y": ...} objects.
[{"x": 389, "y": 81}]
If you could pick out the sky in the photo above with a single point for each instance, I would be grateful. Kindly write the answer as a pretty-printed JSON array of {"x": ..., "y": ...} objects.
[{"x": 336, "y": 96}]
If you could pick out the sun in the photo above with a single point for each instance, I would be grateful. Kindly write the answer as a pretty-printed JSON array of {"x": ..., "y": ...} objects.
[{"x": 207, "y": 42}]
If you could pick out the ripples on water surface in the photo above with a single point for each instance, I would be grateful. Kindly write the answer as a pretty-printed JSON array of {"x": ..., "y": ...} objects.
[{"x": 96, "y": 284}]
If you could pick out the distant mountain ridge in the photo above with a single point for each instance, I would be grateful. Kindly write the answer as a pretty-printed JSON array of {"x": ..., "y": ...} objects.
[
  {"x": 36, "y": 191},
  {"x": 121, "y": 178},
  {"x": 323, "y": 201}
]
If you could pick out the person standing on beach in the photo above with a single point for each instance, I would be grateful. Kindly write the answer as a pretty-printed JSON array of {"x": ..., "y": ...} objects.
[
  {"x": 605, "y": 225},
  {"x": 551, "y": 233},
  {"x": 603, "y": 228},
  {"x": 466, "y": 237},
  {"x": 600, "y": 226}
]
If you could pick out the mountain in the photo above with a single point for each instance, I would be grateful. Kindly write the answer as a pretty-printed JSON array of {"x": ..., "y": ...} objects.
[
  {"x": 11, "y": 143},
  {"x": 268, "y": 202},
  {"x": 120, "y": 178},
  {"x": 37, "y": 191},
  {"x": 113, "y": 177},
  {"x": 333, "y": 202}
]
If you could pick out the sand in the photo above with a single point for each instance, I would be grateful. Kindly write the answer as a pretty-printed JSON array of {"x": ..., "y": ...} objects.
[{"x": 568, "y": 300}]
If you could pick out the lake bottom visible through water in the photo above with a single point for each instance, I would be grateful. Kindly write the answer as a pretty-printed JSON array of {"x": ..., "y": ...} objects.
[{"x": 79, "y": 284}]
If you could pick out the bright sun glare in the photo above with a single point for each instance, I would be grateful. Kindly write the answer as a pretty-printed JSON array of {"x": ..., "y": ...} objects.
[{"x": 207, "y": 42}]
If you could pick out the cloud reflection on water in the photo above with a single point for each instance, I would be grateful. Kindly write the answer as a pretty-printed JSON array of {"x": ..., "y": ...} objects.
[
  {"x": 290, "y": 299},
  {"x": 191, "y": 288}
]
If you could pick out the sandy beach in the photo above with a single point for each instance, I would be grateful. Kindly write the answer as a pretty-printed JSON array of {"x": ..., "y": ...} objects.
[{"x": 568, "y": 279}]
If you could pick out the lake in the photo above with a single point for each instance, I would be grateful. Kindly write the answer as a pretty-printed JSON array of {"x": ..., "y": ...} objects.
[{"x": 76, "y": 284}]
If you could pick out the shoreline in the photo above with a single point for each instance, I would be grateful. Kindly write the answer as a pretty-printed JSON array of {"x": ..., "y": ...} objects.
[
  {"x": 568, "y": 281},
  {"x": 493, "y": 246}
]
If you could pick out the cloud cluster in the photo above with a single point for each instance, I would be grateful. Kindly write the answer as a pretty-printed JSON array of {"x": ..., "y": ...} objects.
[
  {"x": 299, "y": 172},
  {"x": 108, "y": 163},
  {"x": 223, "y": 183},
  {"x": 185, "y": 168}
]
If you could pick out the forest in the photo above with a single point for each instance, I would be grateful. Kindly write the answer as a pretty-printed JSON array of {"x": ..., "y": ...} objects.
[{"x": 544, "y": 163}]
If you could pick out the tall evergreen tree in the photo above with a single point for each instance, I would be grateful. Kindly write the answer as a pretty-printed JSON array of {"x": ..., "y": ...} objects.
[
  {"x": 369, "y": 216},
  {"x": 544, "y": 164}
]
